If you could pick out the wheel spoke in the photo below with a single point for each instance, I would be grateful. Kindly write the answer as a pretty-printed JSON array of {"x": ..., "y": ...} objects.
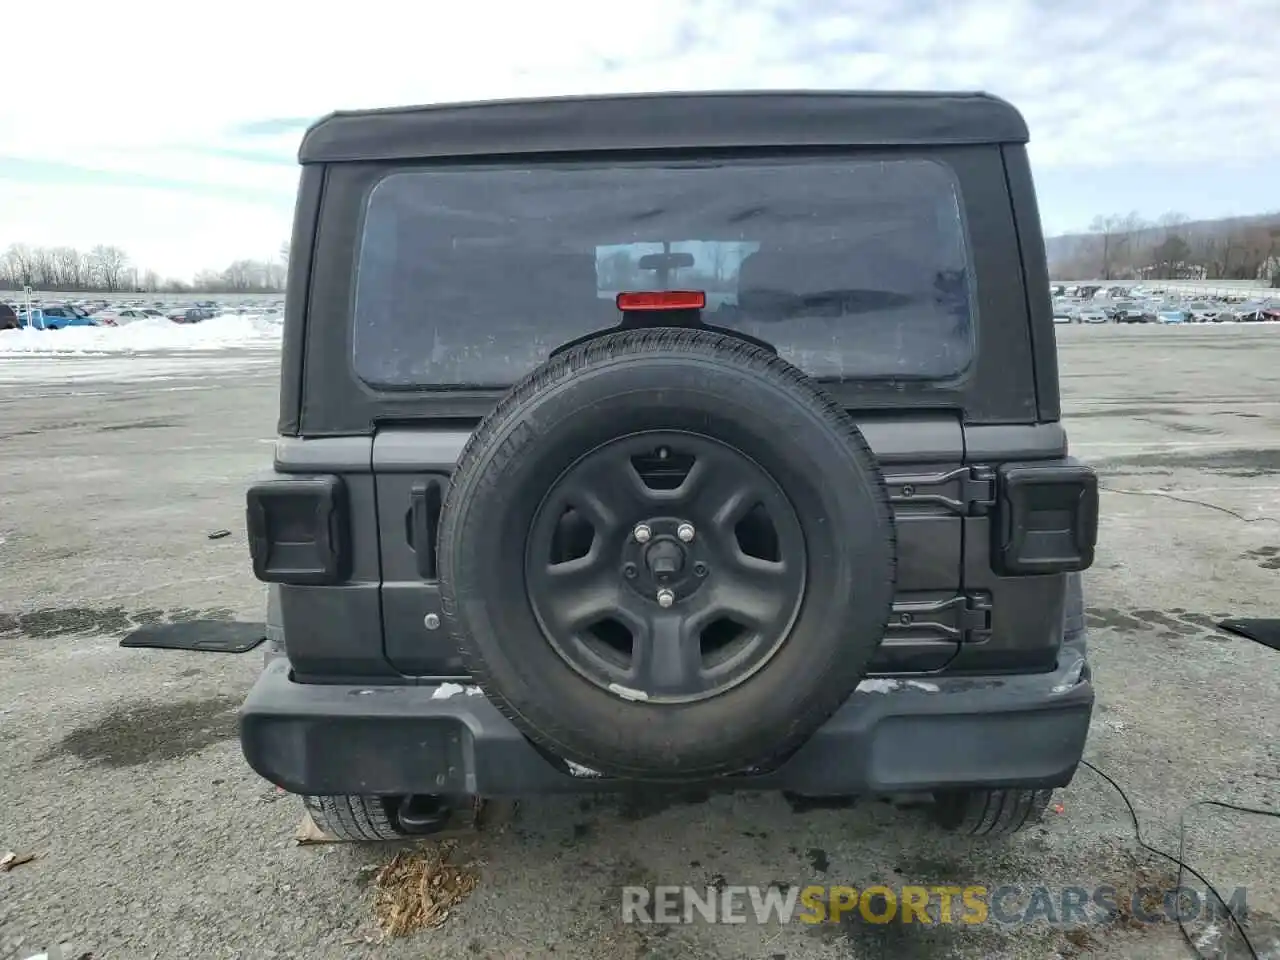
[
  {"x": 718, "y": 491},
  {"x": 608, "y": 492},
  {"x": 759, "y": 593},
  {"x": 667, "y": 656},
  {"x": 575, "y": 593}
]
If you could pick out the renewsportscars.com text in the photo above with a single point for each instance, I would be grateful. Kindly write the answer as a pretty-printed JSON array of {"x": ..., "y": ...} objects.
[{"x": 934, "y": 904}]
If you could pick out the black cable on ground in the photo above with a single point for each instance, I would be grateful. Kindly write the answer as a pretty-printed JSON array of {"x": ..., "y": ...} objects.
[{"x": 1183, "y": 866}]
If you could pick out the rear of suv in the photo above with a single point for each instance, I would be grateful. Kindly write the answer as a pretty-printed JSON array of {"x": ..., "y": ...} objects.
[{"x": 699, "y": 439}]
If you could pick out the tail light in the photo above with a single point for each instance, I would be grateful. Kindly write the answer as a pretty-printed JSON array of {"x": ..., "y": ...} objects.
[
  {"x": 661, "y": 300},
  {"x": 298, "y": 530},
  {"x": 1046, "y": 518}
]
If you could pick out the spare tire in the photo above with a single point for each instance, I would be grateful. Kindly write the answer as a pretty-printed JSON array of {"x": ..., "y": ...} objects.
[{"x": 667, "y": 555}]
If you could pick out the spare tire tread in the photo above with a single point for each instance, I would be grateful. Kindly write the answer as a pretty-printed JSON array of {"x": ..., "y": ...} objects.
[{"x": 624, "y": 347}]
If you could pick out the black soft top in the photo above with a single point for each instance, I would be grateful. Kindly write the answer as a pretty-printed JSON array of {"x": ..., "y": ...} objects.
[{"x": 663, "y": 122}]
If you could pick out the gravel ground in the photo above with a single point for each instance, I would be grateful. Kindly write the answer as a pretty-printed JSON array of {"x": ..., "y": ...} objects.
[{"x": 121, "y": 771}]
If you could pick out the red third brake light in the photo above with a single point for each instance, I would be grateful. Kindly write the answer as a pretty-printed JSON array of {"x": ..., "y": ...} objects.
[{"x": 662, "y": 300}]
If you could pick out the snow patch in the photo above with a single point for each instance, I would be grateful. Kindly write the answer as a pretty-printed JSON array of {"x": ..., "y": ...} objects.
[
  {"x": 578, "y": 770},
  {"x": 448, "y": 690},
  {"x": 924, "y": 685},
  {"x": 227, "y": 331},
  {"x": 626, "y": 693},
  {"x": 877, "y": 685}
]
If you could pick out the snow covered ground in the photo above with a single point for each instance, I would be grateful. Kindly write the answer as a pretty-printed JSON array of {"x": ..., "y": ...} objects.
[
  {"x": 147, "y": 350},
  {"x": 228, "y": 331}
]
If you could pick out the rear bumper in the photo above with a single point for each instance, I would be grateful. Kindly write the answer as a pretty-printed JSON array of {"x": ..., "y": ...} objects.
[{"x": 891, "y": 736}]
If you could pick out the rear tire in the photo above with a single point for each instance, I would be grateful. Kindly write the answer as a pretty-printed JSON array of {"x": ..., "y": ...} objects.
[
  {"x": 361, "y": 819},
  {"x": 990, "y": 813}
]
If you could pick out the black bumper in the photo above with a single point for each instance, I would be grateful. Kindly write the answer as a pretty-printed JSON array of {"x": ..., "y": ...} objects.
[{"x": 892, "y": 736}]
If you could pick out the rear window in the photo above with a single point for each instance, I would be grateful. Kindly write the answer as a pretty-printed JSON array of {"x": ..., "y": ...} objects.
[{"x": 852, "y": 269}]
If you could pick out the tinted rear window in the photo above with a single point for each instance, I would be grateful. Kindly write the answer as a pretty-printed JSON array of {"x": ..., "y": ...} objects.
[{"x": 853, "y": 269}]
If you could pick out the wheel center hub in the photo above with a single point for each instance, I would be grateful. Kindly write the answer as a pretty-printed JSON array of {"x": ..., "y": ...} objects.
[
  {"x": 664, "y": 559},
  {"x": 661, "y": 562}
]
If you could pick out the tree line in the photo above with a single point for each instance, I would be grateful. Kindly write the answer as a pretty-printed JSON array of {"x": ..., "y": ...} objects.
[
  {"x": 1172, "y": 247},
  {"x": 109, "y": 269}
]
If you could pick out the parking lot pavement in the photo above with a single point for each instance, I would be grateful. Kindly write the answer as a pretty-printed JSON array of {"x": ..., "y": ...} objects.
[{"x": 120, "y": 768}]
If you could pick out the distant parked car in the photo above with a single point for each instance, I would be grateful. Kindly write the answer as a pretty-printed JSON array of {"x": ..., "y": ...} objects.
[
  {"x": 1060, "y": 316},
  {"x": 8, "y": 318},
  {"x": 71, "y": 310},
  {"x": 1257, "y": 311},
  {"x": 1093, "y": 315},
  {"x": 56, "y": 318},
  {"x": 1201, "y": 312},
  {"x": 127, "y": 315},
  {"x": 1172, "y": 315},
  {"x": 189, "y": 315},
  {"x": 1134, "y": 313}
]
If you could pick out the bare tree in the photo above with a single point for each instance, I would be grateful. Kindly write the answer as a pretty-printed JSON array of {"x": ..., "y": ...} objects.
[
  {"x": 1169, "y": 259},
  {"x": 1173, "y": 247},
  {"x": 1171, "y": 221},
  {"x": 43, "y": 271},
  {"x": 108, "y": 269},
  {"x": 207, "y": 280},
  {"x": 1107, "y": 229},
  {"x": 109, "y": 263},
  {"x": 71, "y": 267},
  {"x": 18, "y": 265}
]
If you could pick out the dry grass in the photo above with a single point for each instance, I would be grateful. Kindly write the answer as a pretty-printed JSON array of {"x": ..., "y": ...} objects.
[
  {"x": 419, "y": 888},
  {"x": 1153, "y": 880}
]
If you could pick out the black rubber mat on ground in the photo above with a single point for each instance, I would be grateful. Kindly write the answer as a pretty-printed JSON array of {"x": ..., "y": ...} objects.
[
  {"x": 1265, "y": 632},
  {"x": 203, "y": 636}
]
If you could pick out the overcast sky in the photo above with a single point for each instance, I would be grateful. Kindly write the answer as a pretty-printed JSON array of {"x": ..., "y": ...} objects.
[{"x": 171, "y": 130}]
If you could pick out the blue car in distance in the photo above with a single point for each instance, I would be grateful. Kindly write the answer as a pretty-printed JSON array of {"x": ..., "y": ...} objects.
[
  {"x": 1171, "y": 315},
  {"x": 56, "y": 318}
]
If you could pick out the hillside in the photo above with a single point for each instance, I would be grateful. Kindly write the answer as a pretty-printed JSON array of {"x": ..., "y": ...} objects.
[{"x": 1173, "y": 248}]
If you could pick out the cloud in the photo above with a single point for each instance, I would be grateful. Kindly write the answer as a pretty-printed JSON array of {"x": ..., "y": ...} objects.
[{"x": 218, "y": 99}]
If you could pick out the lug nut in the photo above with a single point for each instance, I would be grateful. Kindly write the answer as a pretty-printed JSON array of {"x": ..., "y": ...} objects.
[
  {"x": 685, "y": 532},
  {"x": 666, "y": 598},
  {"x": 431, "y": 621},
  {"x": 642, "y": 533}
]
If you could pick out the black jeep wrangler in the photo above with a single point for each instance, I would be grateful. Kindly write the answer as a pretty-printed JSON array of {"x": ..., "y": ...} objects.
[{"x": 697, "y": 439}]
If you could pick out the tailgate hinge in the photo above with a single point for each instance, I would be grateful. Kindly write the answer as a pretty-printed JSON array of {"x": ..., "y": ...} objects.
[
  {"x": 980, "y": 490},
  {"x": 975, "y": 617},
  {"x": 963, "y": 618},
  {"x": 974, "y": 489}
]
